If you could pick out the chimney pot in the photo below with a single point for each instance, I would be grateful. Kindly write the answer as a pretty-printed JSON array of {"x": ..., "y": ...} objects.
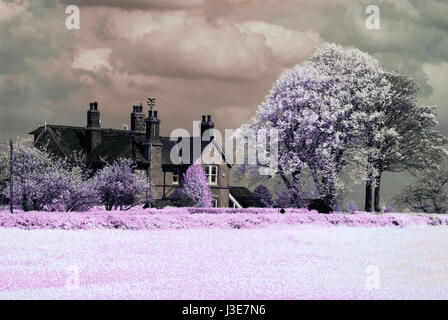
[
  {"x": 95, "y": 105},
  {"x": 209, "y": 118},
  {"x": 150, "y": 113},
  {"x": 155, "y": 114},
  {"x": 203, "y": 118}
]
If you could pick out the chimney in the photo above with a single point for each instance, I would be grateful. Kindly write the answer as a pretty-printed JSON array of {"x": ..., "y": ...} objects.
[
  {"x": 137, "y": 119},
  {"x": 94, "y": 134},
  {"x": 206, "y": 124},
  {"x": 152, "y": 126},
  {"x": 93, "y": 116}
]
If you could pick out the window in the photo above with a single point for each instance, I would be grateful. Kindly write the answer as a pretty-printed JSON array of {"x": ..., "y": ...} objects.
[
  {"x": 176, "y": 176},
  {"x": 215, "y": 202},
  {"x": 211, "y": 171}
]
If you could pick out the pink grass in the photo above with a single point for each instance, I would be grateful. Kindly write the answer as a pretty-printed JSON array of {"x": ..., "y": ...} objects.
[{"x": 193, "y": 218}]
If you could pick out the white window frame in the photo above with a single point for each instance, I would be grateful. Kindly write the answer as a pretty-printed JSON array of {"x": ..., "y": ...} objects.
[
  {"x": 215, "y": 202},
  {"x": 175, "y": 174},
  {"x": 208, "y": 173}
]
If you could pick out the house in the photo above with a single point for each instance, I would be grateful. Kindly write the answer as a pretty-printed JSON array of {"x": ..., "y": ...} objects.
[{"x": 150, "y": 151}]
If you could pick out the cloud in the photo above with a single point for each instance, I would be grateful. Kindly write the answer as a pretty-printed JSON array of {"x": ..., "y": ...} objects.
[
  {"x": 92, "y": 59},
  {"x": 177, "y": 44}
]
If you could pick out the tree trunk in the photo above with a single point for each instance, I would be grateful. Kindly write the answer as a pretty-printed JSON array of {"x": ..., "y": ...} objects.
[
  {"x": 330, "y": 196},
  {"x": 368, "y": 198},
  {"x": 295, "y": 190},
  {"x": 315, "y": 176},
  {"x": 377, "y": 192},
  {"x": 24, "y": 202}
]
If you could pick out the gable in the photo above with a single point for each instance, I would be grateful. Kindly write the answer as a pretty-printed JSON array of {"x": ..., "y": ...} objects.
[
  {"x": 47, "y": 140},
  {"x": 213, "y": 153}
]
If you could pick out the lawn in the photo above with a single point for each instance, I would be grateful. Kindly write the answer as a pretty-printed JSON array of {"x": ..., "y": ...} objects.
[{"x": 274, "y": 262}]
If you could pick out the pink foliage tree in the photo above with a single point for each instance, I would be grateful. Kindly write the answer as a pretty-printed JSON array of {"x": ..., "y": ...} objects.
[
  {"x": 195, "y": 190},
  {"x": 118, "y": 187}
]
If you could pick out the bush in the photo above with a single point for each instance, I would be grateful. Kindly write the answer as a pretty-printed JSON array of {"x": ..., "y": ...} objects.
[
  {"x": 195, "y": 191},
  {"x": 39, "y": 180},
  {"x": 284, "y": 200},
  {"x": 264, "y": 195},
  {"x": 352, "y": 207},
  {"x": 389, "y": 209},
  {"x": 118, "y": 187}
]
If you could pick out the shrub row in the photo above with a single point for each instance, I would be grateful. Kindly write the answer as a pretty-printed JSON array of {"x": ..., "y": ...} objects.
[{"x": 151, "y": 219}]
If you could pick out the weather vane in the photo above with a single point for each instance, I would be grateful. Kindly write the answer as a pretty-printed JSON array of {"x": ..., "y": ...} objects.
[{"x": 151, "y": 102}]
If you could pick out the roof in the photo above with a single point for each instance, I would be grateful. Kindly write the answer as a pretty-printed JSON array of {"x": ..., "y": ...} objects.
[
  {"x": 245, "y": 197},
  {"x": 114, "y": 144}
]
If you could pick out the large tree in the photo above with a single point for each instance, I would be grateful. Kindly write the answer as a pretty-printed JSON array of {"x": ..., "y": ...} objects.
[
  {"x": 404, "y": 133},
  {"x": 319, "y": 109},
  {"x": 363, "y": 87},
  {"x": 302, "y": 107}
]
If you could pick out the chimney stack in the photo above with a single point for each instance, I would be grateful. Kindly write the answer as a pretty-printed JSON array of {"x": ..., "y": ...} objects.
[
  {"x": 205, "y": 125},
  {"x": 152, "y": 126},
  {"x": 93, "y": 116},
  {"x": 137, "y": 119},
  {"x": 94, "y": 135}
]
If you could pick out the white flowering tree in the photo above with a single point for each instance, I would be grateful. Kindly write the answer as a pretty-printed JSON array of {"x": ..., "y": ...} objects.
[
  {"x": 364, "y": 87},
  {"x": 42, "y": 181},
  {"x": 319, "y": 109}
]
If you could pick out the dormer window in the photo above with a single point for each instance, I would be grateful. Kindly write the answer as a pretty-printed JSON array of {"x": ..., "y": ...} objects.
[
  {"x": 176, "y": 176},
  {"x": 211, "y": 171}
]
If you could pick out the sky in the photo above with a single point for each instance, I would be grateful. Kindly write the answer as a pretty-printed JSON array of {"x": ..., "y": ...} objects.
[{"x": 218, "y": 57}]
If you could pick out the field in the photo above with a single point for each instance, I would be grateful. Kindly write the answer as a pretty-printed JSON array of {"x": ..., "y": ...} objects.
[{"x": 279, "y": 261}]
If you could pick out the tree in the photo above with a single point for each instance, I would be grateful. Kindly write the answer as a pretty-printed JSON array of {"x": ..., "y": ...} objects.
[
  {"x": 195, "y": 190},
  {"x": 429, "y": 193},
  {"x": 43, "y": 181},
  {"x": 264, "y": 195},
  {"x": 352, "y": 207},
  {"x": 80, "y": 193},
  {"x": 364, "y": 86},
  {"x": 118, "y": 187},
  {"x": 316, "y": 109},
  {"x": 404, "y": 134},
  {"x": 5, "y": 164},
  {"x": 39, "y": 178}
]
